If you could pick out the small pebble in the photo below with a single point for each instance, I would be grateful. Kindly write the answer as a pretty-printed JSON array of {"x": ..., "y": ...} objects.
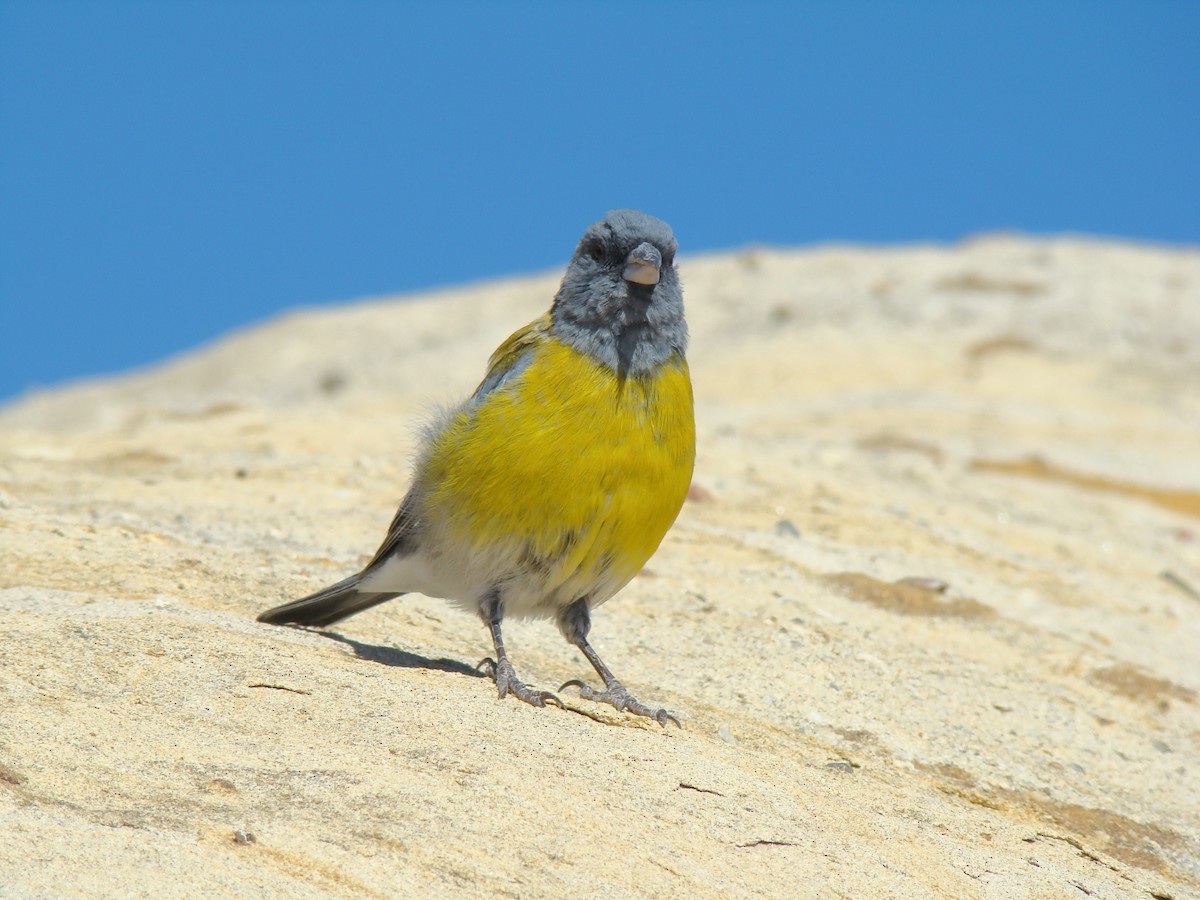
[
  {"x": 786, "y": 528},
  {"x": 726, "y": 735}
]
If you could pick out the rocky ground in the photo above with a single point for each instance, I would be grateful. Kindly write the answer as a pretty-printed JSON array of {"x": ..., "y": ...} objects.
[{"x": 931, "y": 617}]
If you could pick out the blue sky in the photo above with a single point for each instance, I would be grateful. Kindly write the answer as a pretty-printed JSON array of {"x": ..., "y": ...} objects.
[{"x": 170, "y": 171}]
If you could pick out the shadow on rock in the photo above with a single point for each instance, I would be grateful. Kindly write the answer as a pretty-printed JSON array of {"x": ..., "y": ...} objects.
[{"x": 390, "y": 656}]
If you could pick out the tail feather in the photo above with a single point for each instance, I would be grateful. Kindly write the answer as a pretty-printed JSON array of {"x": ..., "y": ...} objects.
[{"x": 334, "y": 603}]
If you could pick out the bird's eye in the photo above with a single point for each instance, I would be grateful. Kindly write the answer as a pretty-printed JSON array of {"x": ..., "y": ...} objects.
[{"x": 594, "y": 249}]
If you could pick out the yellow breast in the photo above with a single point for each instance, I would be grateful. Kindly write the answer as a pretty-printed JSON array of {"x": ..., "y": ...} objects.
[{"x": 578, "y": 471}]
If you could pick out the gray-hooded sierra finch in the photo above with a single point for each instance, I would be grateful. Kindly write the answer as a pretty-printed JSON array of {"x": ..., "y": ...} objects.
[{"x": 552, "y": 485}]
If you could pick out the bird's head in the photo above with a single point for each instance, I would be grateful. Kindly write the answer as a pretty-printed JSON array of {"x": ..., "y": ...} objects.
[{"x": 621, "y": 292}]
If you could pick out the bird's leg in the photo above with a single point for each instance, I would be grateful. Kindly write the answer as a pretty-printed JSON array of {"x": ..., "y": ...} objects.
[
  {"x": 575, "y": 622},
  {"x": 500, "y": 669}
]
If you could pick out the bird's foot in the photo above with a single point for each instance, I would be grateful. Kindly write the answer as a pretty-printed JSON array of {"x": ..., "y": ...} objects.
[
  {"x": 507, "y": 683},
  {"x": 616, "y": 695}
]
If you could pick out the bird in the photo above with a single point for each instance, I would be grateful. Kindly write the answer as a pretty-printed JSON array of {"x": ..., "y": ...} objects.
[{"x": 548, "y": 489}]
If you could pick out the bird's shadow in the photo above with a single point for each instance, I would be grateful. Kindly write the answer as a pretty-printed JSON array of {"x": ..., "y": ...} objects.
[{"x": 390, "y": 656}]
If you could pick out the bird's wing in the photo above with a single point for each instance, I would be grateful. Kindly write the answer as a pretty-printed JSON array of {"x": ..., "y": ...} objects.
[
  {"x": 400, "y": 534},
  {"x": 510, "y": 356},
  {"x": 509, "y": 359}
]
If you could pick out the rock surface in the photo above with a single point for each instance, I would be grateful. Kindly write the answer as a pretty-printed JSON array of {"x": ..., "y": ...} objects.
[{"x": 931, "y": 617}]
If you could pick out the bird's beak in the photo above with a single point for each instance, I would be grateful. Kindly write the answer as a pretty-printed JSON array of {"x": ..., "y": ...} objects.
[{"x": 643, "y": 264}]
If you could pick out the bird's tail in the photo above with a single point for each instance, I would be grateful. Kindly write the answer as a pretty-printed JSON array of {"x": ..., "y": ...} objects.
[{"x": 325, "y": 607}]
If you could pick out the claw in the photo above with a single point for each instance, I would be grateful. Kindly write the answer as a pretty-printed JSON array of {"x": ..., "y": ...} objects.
[
  {"x": 619, "y": 698},
  {"x": 535, "y": 697},
  {"x": 662, "y": 717},
  {"x": 506, "y": 682}
]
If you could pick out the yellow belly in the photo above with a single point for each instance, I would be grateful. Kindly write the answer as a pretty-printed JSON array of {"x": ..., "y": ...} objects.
[{"x": 572, "y": 472}]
